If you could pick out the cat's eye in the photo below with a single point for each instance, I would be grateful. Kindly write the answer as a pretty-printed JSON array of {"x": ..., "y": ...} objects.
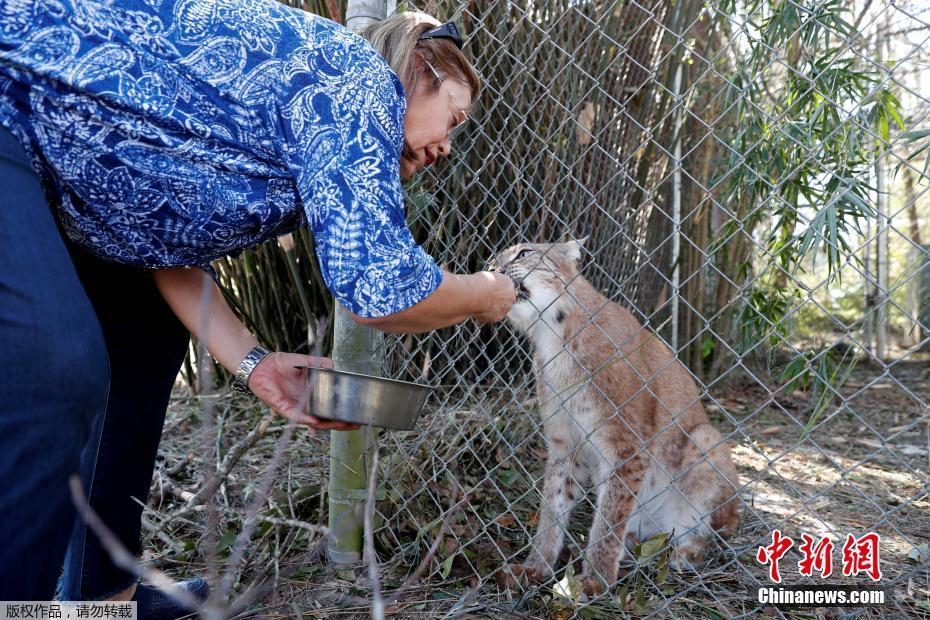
[{"x": 524, "y": 254}]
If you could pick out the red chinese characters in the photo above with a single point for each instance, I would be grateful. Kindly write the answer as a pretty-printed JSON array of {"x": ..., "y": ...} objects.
[
  {"x": 773, "y": 553},
  {"x": 860, "y": 555},
  {"x": 817, "y": 557}
]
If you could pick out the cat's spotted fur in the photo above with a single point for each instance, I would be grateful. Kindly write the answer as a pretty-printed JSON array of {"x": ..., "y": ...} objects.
[{"x": 621, "y": 415}]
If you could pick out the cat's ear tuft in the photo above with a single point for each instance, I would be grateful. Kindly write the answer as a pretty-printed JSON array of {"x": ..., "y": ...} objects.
[{"x": 573, "y": 248}]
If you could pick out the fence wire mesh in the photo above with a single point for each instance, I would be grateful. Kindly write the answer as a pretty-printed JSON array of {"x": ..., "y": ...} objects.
[{"x": 748, "y": 176}]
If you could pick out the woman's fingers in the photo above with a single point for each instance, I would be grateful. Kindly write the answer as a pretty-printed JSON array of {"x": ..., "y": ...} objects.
[
  {"x": 315, "y": 422},
  {"x": 298, "y": 360},
  {"x": 330, "y": 425},
  {"x": 317, "y": 362},
  {"x": 334, "y": 425}
]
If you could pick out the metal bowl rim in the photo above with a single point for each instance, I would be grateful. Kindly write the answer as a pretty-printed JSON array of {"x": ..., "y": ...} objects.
[{"x": 397, "y": 382}]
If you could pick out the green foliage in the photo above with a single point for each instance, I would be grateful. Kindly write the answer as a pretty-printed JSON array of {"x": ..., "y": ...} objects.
[
  {"x": 913, "y": 137},
  {"x": 808, "y": 119},
  {"x": 765, "y": 316},
  {"x": 802, "y": 151},
  {"x": 822, "y": 372}
]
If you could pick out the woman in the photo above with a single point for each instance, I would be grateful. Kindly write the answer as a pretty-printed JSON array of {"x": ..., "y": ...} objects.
[{"x": 167, "y": 137}]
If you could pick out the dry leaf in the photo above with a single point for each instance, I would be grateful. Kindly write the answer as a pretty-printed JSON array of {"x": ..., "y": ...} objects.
[
  {"x": 585, "y": 124},
  {"x": 533, "y": 520}
]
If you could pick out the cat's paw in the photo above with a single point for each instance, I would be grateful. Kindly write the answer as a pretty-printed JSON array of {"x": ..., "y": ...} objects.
[
  {"x": 689, "y": 556},
  {"x": 520, "y": 575},
  {"x": 592, "y": 585}
]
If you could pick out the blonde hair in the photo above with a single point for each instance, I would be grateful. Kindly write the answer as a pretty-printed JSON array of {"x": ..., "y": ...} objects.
[{"x": 397, "y": 40}]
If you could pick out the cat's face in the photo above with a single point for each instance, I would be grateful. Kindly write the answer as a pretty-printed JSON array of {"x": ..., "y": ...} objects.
[{"x": 541, "y": 272}]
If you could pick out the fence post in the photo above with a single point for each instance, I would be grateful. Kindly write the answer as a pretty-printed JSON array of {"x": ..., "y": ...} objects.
[
  {"x": 882, "y": 223},
  {"x": 676, "y": 210},
  {"x": 356, "y": 348},
  {"x": 361, "y": 13}
]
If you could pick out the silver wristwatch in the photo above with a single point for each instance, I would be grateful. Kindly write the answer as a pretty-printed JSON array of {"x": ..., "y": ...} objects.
[{"x": 246, "y": 366}]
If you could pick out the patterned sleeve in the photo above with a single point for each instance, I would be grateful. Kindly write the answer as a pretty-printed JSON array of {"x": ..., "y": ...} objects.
[{"x": 343, "y": 136}]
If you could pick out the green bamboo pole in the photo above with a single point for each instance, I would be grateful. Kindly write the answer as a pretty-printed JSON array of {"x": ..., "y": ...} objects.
[{"x": 356, "y": 348}]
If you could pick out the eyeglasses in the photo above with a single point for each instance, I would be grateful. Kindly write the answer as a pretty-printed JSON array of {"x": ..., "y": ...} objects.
[{"x": 459, "y": 126}]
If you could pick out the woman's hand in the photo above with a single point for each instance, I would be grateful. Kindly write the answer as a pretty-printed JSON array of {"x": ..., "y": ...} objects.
[
  {"x": 501, "y": 295},
  {"x": 284, "y": 388}
]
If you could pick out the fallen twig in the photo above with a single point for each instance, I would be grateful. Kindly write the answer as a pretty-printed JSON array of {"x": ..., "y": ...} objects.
[
  {"x": 223, "y": 471},
  {"x": 377, "y": 604}
]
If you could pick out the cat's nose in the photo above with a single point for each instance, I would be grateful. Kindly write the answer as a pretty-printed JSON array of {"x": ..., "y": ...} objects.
[{"x": 492, "y": 265}]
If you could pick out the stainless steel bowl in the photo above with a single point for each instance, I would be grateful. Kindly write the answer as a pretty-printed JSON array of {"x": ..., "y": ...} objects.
[{"x": 363, "y": 399}]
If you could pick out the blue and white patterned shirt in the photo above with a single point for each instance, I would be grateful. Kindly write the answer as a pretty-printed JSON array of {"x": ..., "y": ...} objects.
[{"x": 173, "y": 132}]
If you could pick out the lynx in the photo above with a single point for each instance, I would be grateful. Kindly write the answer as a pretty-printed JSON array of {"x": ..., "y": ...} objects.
[{"x": 621, "y": 414}]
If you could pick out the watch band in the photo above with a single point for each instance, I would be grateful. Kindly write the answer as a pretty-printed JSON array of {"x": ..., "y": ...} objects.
[{"x": 246, "y": 366}]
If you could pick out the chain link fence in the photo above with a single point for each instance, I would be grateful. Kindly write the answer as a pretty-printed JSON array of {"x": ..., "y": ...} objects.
[{"x": 750, "y": 179}]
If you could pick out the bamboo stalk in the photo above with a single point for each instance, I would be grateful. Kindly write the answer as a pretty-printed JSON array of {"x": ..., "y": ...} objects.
[{"x": 356, "y": 348}]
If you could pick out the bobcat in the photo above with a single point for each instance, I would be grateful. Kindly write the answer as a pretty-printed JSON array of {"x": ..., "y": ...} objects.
[{"x": 619, "y": 412}]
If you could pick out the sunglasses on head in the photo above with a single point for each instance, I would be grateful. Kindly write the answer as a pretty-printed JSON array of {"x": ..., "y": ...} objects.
[{"x": 446, "y": 31}]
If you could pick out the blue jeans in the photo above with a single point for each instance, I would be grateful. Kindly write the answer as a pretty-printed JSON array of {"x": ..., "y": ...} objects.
[{"x": 92, "y": 353}]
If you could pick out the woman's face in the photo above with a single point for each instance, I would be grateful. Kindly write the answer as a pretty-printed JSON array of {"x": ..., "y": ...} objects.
[{"x": 429, "y": 119}]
